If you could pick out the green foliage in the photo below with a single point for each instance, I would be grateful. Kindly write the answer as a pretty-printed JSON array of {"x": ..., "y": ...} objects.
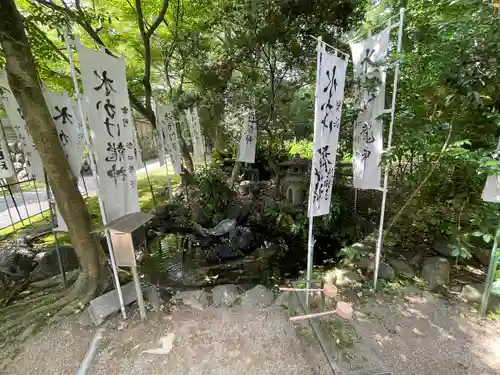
[
  {"x": 304, "y": 148},
  {"x": 214, "y": 193}
]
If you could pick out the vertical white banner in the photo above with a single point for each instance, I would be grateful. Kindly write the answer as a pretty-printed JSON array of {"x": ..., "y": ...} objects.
[
  {"x": 193, "y": 121},
  {"x": 69, "y": 127},
  {"x": 167, "y": 137},
  {"x": 110, "y": 119},
  {"x": 330, "y": 80},
  {"x": 33, "y": 161},
  {"x": 6, "y": 167},
  {"x": 248, "y": 139},
  {"x": 491, "y": 190},
  {"x": 368, "y": 142}
]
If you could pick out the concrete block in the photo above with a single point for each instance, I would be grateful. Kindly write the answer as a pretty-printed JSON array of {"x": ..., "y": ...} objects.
[{"x": 108, "y": 304}]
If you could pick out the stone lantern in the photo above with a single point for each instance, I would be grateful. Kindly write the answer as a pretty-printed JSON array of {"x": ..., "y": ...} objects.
[{"x": 295, "y": 183}]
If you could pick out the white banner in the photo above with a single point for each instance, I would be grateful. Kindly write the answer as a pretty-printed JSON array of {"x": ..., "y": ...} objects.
[
  {"x": 248, "y": 140},
  {"x": 33, "y": 162},
  {"x": 195, "y": 131},
  {"x": 110, "y": 119},
  {"x": 6, "y": 167},
  {"x": 491, "y": 191},
  {"x": 368, "y": 142},
  {"x": 168, "y": 141},
  {"x": 330, "y": 79},
  {"x": 69, "y": 127}
]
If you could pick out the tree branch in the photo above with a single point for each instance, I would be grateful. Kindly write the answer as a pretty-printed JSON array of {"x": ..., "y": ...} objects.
[
  {"x": 79, "y": 17},
  {"x": 159, "y": 19}
]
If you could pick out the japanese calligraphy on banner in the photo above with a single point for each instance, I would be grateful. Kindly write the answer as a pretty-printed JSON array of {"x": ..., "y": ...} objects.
[
  {"x": 110, "y": 119},
  {"x": 491, "y": 191},
  {"x": 195, "y": 131},
  {"x": 368, "y": 140},
  {"x": 330, "y": 79},
  {"x": 248, "y": 140},
  {"x": 69, "y": 127},
  {"x": 168, "y": 141},
  {"x": 6, "y": 167},
  {"x": 33, "y": 162}
]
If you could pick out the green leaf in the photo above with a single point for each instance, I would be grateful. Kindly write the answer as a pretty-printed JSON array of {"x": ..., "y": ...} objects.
[
  {"x": 477, "y": 234},
  {"x": 487, "y": 238}
]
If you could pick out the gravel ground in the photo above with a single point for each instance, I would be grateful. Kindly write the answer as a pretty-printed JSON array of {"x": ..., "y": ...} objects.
[
  {"x": 415, "y": 333},
  {"x": 420, "y": 333},
  {"x": 213, "y": 341}
]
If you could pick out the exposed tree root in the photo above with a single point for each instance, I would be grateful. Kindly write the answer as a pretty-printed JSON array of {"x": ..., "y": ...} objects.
[{"x": 81, "y": 291}]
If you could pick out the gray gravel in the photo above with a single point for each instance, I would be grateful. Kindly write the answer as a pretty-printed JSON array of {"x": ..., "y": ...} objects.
[
  {"x": 419, "y": 334},
  {"x": 213, "y": 341}
]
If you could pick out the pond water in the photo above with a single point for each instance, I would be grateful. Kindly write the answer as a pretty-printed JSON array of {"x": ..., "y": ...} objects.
[{"x": 178, "y": 261}]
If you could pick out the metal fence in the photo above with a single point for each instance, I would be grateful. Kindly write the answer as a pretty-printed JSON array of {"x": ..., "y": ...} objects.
[{"x": 22, "y": 201}]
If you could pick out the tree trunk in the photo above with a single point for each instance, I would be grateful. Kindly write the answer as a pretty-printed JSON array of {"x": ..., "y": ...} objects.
[{"x": 24, "y": 83}]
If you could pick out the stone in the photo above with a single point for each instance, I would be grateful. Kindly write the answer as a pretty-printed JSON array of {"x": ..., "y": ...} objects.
[
  {"x": 224, "y": 295},
  {"x": 386, "y": 272},
  {"x": 483, "y": 255},
  {"x": 341, "y": 277},
  {"x": 474, "y": 293},
  {"x": 48, "y": 264},
  {"x": 84, "y": 319},
  {"x": 17, "y": 261},
  {"x": 289, "y": 301},
  {"x": 152, "y": 295},
  {"x": 259, "y": 296},
  {"x": 436, "y": 272},
  {"x": 197, "y": 299},
  {"x": 441, "y": 246},
  {"x": 108, "y": 304},
  {"x": 402, "y": 268}
]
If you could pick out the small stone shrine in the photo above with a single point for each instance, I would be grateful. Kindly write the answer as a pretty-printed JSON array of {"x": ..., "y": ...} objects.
[{"x": 295, "y": 179}]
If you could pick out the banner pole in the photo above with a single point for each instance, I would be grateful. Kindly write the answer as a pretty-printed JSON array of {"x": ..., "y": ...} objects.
[
  {"x": 93, "y": 167},
  {"x": 310, "y": 239},
  {"x": 490, "y": 277},
  {"x": 54, "y": 233},
  {"x": 389, "y": 143}
]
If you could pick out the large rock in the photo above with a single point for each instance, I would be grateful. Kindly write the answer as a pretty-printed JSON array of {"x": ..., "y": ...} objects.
[
  {"x": 474, "y": 293},
  {"x": 259, "y": 296},
  {"x": 442, "y": 246},
  {"x": 288, "y": 300},
  {"x": 402, "y": 268},
  {"x": 436, "y": 272},
  {"x": 197, "y": 299},
  {"x": 224, "y": 295},
  {"x": 17, "y": 261},
  {"x": 341, "y": 277},
  {"x": 483, "y": 255},
  {"x": 385, "y": 271},
  {"x": 48, "y": 264}
]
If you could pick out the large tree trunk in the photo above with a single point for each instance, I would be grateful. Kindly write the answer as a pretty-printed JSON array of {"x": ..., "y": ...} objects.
[{"x": 23, "y": 80}]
